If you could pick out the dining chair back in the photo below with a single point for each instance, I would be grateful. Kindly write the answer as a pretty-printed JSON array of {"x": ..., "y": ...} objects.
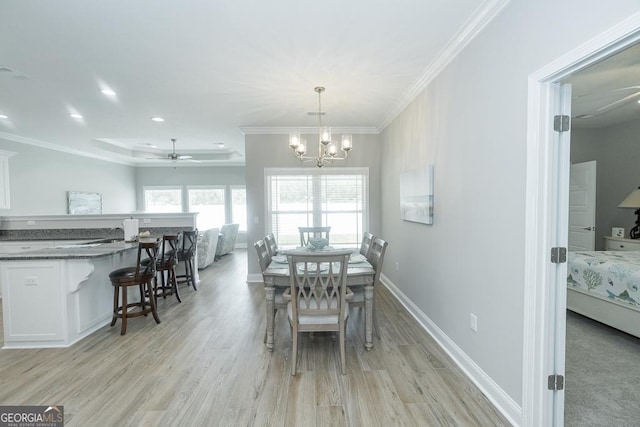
[
  {"x": 307, "y": 232},
  {"x": 365, "y": 245},
  {"x": 264, "y": 257},
  {"x": 272, "y": 245},
  {"x": 166, "y": 268},
  {"x": 186, "y": 254},
  {"x": 317, "y": 297},
  {"x": 375, "y": 257}
]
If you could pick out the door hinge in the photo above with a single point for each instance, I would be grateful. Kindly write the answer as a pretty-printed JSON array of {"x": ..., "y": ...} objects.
[
  {"x": 555, "y": 382},
  {"x": 561, "y": 123},
  {"x": 558, "y": 255}
]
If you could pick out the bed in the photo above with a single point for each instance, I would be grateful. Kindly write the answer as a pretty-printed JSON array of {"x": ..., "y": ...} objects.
[{"x": 605, "y": 286}]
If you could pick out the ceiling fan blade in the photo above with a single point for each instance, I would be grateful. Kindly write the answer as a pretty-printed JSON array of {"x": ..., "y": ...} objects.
[
  {"x": 181, "y": 157},
  {"x": 614, "y": 103}
]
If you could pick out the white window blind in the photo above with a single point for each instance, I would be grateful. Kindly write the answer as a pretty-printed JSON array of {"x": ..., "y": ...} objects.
[{"x": 303, "y": 198}]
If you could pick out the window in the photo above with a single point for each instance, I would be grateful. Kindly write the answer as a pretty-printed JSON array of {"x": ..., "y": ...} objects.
[
  {"x": 209, "y": 203},
  {"x": 162, "y": 199},
  {"x": 303, "y": 197},
  {"x": 239, "y": 206}
]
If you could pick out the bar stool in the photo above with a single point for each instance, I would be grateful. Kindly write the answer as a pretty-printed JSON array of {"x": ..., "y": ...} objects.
[
  {"x": 166, "y": 268},
  {"x": 140, "y": 276},
  {"x": 185, "y": 254}
]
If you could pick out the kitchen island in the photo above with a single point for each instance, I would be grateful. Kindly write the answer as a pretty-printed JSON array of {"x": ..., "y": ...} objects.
[{"x": 54, "y": 297}]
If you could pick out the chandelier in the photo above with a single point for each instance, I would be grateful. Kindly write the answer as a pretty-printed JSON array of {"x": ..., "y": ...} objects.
[{"x": 327, "y": 148}]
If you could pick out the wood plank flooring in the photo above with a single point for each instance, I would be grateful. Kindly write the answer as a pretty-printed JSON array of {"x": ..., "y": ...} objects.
[{"x": 206, "y": 365}]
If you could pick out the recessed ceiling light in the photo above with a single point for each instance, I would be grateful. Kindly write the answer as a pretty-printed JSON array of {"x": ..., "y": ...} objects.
[
  {"x": 2, "y": 116},
  {"x": 76, "y": 115},
  {"x": 157, "y": 119},
  {"x": 638, "y": 101},
  {"x": 221, "y": 144},
  {"x": 108, "y": 92}
]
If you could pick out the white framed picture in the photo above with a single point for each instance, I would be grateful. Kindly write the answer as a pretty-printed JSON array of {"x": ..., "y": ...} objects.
[{"x": 617, "y": 232}]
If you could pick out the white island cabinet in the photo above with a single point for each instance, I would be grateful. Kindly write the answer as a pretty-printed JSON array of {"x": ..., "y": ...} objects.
[{"x": 54, "y": 297}]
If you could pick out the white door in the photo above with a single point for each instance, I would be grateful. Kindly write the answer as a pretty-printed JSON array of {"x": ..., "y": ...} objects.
[{"x": 582, "y": 207}]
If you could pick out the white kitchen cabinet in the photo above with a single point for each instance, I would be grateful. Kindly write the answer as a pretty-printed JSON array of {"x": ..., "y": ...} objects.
[{"x": 5, "y": 199}]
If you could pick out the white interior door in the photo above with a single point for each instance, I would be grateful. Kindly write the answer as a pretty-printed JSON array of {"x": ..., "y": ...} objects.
[{"x": 582, "y": 207}]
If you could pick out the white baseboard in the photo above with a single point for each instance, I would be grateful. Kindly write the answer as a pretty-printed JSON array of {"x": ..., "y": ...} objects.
[{"x": 500, "y": 399}]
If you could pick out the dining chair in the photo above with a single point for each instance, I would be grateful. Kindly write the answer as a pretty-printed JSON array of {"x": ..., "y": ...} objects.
[
  {"x": 166, "y": 264},
  {"x": 272, "y": 245},
  {"x": 375, "y": 258},
  {"x": 317, "y": 297},
  {"x": 307, "y": 232},
  {"x": 186, "y": 253},
  {"x": 264, "y": 257},
  {"x": 365, "y": 245}
]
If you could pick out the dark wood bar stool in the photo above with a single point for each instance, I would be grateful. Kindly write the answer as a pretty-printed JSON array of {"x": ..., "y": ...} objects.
[
  {"x": 166, "y": 268},
  {"x": 186, "y": 253},
  {"x": 140, "y": 275}
]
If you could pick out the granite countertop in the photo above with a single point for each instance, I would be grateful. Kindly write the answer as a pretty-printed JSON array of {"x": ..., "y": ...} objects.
[{"x": 71, "y": 251}]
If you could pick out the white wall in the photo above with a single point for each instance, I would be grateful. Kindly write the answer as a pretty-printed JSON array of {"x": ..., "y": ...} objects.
[
  {"x": 40, "y": 179},
  {"x": 470, "y": 122}
]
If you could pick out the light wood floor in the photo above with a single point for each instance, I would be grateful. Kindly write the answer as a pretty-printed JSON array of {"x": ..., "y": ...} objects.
[{"x": 206, "y": 365}]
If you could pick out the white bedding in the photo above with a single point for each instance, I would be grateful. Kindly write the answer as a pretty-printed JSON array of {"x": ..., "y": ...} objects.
[{"x": 613, "y": 275}]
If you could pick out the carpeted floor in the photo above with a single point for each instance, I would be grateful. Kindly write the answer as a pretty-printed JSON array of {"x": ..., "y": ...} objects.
[{"x": 602, "y": 382}]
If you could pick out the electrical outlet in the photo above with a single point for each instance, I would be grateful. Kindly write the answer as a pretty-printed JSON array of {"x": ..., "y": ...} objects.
[
  {"x": 31, "y": 223},
  {"x": 146, "y": 221},
  {"x": 397, "y": 266},
  {"x": 474, "y": 322},
  {"x": 30, "y": 280}
]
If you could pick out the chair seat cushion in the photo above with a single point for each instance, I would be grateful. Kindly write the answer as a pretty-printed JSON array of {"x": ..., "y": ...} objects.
[
  {"x": 324, "y": 319},
  {"x": 127, "y": 274}
]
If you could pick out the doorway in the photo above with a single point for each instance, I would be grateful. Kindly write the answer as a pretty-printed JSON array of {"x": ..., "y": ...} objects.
[{"x": 547, "y": 200}]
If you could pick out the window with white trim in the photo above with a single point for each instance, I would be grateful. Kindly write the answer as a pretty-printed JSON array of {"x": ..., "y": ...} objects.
[
  {"x": 209, "y": 202},
  {"x": 163, "y": 199},
  {"x": 335, "y": 197}
]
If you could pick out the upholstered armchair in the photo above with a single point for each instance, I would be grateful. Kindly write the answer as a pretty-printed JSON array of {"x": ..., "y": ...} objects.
[
  {"x": 227, "y": 239},
  {"x": 207, "y": 245}
]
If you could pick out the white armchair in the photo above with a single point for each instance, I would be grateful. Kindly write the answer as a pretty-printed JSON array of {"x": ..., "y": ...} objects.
[
  {"x": 227, "y": 239},
  {"x": 206, "y": 247}
]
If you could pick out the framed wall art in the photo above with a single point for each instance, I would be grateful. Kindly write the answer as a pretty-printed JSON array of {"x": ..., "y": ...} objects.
[
  {"x": 416, "y": 195},
  {"x": 83, "y": 203}
]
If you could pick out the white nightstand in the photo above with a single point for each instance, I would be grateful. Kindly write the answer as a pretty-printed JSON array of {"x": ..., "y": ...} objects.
[{"x": 621, "y": 244}]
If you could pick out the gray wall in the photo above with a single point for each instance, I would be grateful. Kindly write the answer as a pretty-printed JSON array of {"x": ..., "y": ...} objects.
[
  {"x": 40, "y": 179},
  {"x": 617, "y": 153},
  {"x": 272, "y": 151},
  {"x": 471, "y": 123}
]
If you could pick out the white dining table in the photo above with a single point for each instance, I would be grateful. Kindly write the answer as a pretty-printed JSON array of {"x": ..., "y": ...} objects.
[{"x": 359, "y": 272}]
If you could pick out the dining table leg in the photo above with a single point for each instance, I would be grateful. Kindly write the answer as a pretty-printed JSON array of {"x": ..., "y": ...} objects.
[
  {"x": 270, "y": 293},
  {"x": 368, "y": 317}
]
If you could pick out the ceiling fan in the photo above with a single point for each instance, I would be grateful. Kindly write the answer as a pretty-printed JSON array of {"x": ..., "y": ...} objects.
[{"x": 174, "y": 157}]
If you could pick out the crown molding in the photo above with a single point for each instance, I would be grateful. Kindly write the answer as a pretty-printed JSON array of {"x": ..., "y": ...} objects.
[
  {"x": 49, "y": 146},
  {"x": 479, "y": 19},
  {"x": 358, "y": 130}
]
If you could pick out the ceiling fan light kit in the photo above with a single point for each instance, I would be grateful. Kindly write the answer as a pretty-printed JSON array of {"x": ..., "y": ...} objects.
[{"x": 327, "y": 147}]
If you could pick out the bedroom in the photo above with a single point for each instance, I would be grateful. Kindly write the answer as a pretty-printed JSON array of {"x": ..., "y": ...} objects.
[{"x": 604, "y": 288}]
